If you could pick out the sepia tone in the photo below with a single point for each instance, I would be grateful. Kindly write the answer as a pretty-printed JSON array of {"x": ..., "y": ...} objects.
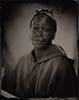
[{"x": 15, "y": 40}]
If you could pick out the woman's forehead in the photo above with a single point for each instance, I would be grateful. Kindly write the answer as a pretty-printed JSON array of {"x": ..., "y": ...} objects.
[{"x": 41, "y": 18}]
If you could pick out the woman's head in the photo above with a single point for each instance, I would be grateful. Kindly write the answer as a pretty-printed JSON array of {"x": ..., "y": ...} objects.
[{"x": 43, "y": 28}]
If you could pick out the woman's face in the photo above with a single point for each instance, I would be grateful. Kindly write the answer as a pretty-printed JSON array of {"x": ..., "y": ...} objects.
[{"x": 41, "y": 31}]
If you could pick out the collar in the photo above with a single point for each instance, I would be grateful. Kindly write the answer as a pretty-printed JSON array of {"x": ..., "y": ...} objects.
[{"x": 51, "y": 52}]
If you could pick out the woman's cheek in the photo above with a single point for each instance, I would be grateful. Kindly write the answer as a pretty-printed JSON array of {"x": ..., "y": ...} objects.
[{"x": 46, "y": 36}]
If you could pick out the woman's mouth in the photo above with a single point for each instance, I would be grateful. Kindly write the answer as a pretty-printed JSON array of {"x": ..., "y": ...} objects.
[{"x": 36, "y": 41}]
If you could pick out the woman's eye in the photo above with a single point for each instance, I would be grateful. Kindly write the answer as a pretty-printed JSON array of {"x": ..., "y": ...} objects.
[
  {"x": 46, "y": 29},
  {"x": 35, "y": 28}
]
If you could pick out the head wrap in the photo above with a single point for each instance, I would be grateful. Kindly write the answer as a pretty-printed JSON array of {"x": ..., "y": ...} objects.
[
  {"x": 44, "y": 11},
  {"x": 47, "y": 12}
]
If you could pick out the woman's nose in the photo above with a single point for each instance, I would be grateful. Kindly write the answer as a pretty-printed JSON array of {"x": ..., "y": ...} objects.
[{"x": 39, "y": 33}]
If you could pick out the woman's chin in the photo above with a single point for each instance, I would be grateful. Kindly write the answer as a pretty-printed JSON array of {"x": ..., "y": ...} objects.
[{"x": 39, "y": 45}]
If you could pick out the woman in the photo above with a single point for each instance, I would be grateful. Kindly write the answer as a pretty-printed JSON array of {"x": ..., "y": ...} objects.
[{"x": 46, "y": 71}]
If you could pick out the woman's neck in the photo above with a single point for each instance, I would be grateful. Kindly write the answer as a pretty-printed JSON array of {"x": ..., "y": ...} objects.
[{"x": 39, "y": 52}]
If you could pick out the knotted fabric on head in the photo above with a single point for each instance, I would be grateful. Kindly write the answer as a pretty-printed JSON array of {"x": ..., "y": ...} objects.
[
  {"x": 43, "y": 11},
  {"x": 47, "y": 12}
]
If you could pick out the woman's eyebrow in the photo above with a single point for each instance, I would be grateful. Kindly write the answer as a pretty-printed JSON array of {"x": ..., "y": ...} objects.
[{"x": 35, "y": 24}]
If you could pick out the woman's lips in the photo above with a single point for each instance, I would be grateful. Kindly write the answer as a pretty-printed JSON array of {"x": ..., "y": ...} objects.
[
  {"x": 38, "y": 42},
  {"x": 41, "y": 39}
]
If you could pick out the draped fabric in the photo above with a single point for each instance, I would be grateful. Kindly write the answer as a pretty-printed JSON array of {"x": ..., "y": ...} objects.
[{"x": 52, "y": 75}]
